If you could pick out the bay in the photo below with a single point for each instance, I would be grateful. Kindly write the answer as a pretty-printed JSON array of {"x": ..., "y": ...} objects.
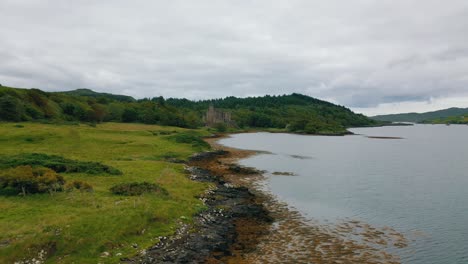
[{"x": 417, "y": 184}]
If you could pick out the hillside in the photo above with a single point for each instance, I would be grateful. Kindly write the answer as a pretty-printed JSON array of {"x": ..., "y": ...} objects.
[
  {"x": 91, "y": 93},
  {"x": 295, "y": 112},
  {"x": 420, "y": 117},
  {"x": 461, "y": 119}
]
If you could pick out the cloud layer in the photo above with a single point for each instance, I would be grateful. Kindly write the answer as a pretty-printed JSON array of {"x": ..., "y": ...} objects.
[{"x": 364, "y": 54}]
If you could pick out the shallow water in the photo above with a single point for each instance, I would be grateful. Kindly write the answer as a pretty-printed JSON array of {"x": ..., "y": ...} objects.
[{"x": 417, "y": 185}]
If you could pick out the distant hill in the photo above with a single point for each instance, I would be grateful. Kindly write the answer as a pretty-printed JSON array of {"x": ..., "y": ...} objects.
[
  {"x": 422, "y": 117},
  {"x": 91, "y": 93},
  {"x": 294, "y": 112}
]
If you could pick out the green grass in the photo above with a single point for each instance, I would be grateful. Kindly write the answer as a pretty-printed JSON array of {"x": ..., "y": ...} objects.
[{"x": 78, "y": 226}]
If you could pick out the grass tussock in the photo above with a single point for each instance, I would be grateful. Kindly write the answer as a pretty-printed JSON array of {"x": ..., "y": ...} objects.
[
  {"x": 138, "y": 188},
  {"x": 81, "y": 186}
]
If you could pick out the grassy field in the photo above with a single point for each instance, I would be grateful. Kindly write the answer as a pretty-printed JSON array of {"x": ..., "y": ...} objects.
[{"x": 77, "y": 227}]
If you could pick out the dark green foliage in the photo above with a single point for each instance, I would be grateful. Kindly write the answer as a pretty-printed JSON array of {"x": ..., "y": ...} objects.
[
  {"x": 129, "y": 115},
  {"x": 11, "y": 108},
  {"x": 190, "y": 138},
  {"x": 138, "y": 188},
  {"x": 56, "y": 163},
  {"x": 294, "y": 112},
  {"x": 220, "y": 127},
  {"x": 26, "y": 179}
]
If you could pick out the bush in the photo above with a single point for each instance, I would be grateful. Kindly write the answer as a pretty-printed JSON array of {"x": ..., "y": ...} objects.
[
  {"x": 56, "y": 163},
  {"x": 220, "y": 127},
  {"x": 11, "y": 108},
  {"x": 138, "y": 188},
  {"x": 26, "y": 179},
  {"x": 79, "y": 185},
  {"x": 190, "y": 138}
]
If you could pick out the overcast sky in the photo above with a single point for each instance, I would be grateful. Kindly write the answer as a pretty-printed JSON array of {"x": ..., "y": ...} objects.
[{"x": 373, "y": 56}]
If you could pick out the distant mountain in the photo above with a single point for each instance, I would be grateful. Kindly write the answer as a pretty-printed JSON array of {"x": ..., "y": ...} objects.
[
  {"x": 422, "y": 117},
  {"x": 91, "y": 93}
]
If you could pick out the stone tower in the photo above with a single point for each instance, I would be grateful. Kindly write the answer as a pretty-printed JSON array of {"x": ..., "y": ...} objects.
[{"x": 214, "y": 116}]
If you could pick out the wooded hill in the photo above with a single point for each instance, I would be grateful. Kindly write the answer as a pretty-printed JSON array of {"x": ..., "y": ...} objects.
[
  {"x": 295, "y": 112},
  {"x": 426, "y": 117}
]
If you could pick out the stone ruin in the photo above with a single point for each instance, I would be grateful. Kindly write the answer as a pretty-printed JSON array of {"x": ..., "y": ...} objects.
[{"x": 215, "y": 116}]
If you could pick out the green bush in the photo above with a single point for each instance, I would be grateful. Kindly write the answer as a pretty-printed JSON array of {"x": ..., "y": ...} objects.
[
  {"x": 220, "y": 127},
  {"x": 190, "y": 138},
  {"x": 56, "y": 163},
  {"x": 138, "y": 188},
  {"x": 11, "y": 108},
  {"x": 26, "y": 179}
]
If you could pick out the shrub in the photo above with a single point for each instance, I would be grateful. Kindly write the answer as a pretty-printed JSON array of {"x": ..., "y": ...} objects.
[
  {"x": 190, "y": 138},
  {"x": 56, "y": 163},
  {"x": 79, "y": 185},
  {"x": 220, "y": 127},
  {"x": 11, "y": 108},
  {"x": 26, "y": 179},
  {"x": 138, "y": 188}
]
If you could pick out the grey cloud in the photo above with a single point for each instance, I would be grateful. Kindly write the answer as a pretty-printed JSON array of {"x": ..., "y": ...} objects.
[{"x": 360, "y": 53}]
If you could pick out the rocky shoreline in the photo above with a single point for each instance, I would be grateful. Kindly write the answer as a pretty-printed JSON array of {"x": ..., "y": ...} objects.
[{"x": 214, "y": 235}]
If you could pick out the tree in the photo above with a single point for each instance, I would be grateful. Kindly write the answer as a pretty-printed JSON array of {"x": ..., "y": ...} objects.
[
  {"x": 68, "y": 108},
  {"x": 97, "y": 113},
  {"x": 114, "y": 112},
  {"x": 129, "y": 115},
  {"x": 10, "y": 108}
]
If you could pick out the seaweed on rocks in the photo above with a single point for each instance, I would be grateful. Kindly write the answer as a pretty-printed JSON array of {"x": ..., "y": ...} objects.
[{"x": 207, "y": 155}]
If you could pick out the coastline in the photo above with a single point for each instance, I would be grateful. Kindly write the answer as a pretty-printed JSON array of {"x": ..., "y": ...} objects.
[
  {"x": 244, "y": 224},
  {"x": 231, "y": 224}
]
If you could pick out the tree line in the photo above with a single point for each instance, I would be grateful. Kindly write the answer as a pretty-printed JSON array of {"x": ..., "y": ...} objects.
[{"x": 295, "y": 112}]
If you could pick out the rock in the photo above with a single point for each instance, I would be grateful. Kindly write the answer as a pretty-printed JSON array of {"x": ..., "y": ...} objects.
[
  {"x": 243, "y": 170},
  {"x": 105, "y": 254},
  {"x": 283, "y": 173},
  {"x": 207, "y": 155}
]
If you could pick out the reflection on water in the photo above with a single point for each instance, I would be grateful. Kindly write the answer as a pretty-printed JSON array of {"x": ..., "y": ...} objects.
[{"x": 416, "y": 185}]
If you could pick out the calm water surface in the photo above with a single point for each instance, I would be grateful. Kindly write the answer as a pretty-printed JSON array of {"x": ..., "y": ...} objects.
[{"x": 417, "y": 185}]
